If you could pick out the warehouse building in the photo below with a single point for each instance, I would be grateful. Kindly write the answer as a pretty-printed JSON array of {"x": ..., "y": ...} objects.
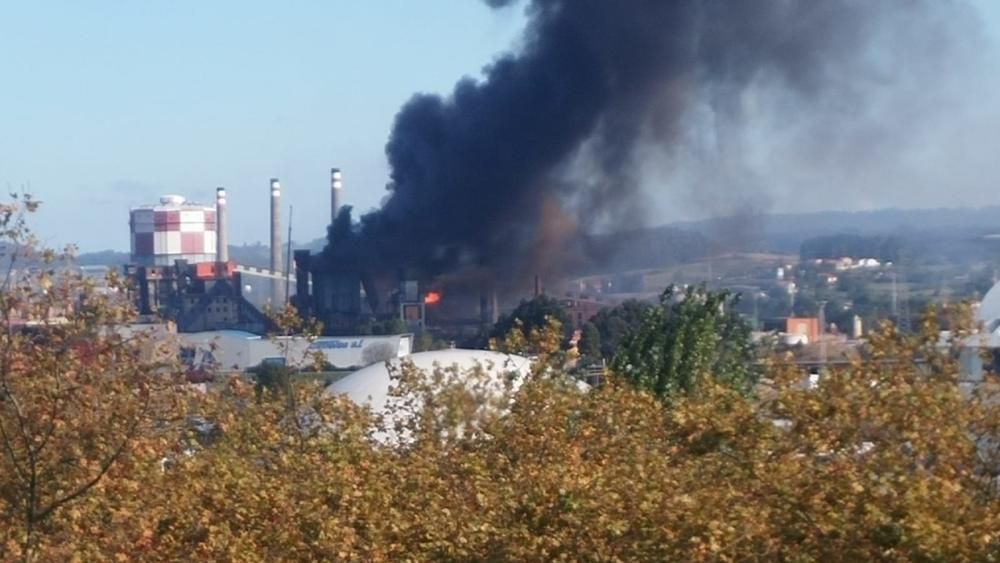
[{"x": 238, "y": 351}]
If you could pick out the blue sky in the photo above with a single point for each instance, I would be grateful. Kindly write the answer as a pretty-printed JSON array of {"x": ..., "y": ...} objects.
[{"x": 109, "y": 104}]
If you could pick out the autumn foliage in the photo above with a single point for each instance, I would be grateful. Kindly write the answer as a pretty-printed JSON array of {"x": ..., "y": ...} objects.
[{"x": 890, "y": 459}]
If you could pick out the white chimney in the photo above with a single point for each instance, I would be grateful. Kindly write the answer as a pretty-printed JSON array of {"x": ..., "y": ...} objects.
[
  {"x": 336, "y": 187},
  {"x": 221, "y": 220},
  {"x": 276, "y": 262}
]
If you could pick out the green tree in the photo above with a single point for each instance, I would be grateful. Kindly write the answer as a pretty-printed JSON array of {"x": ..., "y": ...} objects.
[
  {"x": 533, "y": 314},
  {"x": 615, "y": 324},
  {"x": 272, "y": 379},
  {"x": 590, "y": 342},
  {"x": 425, "y": 342},
  {"x": 884, "y": 459},
  {"x": 390, "y": 326},
  {"x": 692, "y": 337}
]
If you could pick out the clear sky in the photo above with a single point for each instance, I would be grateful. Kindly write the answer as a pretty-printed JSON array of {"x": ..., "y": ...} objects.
[{"x": 107, "y": 104}]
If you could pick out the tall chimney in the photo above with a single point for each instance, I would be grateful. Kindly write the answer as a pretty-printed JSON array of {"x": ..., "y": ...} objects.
[
  {"x": 276, "y": 262},
  {"x": 336, "y": 185},
  {"x": 221, "y": 234}
]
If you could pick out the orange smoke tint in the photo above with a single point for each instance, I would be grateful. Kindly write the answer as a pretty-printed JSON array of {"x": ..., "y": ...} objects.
[{"x": 432, "y": 297}]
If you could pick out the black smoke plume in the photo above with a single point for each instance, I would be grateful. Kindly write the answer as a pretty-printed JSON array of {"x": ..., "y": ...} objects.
[{"x": 510, "y": 172}]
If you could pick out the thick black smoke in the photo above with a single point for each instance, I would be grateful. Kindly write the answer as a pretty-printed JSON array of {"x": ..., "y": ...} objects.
[{"x": 501, "y": 172}]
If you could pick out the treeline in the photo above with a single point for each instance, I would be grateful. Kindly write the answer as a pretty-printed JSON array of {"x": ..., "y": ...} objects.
[
  {"x": 688, "y": 450},
  {"x": 255, "y": 255},
  {"x": 878, "y": 461},
  {"x": 883, "y": 248}
]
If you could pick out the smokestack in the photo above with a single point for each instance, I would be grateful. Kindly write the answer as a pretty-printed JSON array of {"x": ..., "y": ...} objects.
[
  {"x": 494, "y": 308},
  {"x": 276, "y": 262},
  {"x": 335, "y": 191},
  {"x": 484, "y": 311},
  {"x": 221, "y": 234}
]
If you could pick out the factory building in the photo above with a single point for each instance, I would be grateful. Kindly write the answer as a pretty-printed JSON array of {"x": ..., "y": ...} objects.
[
  {"x": 334, "y": 297},
  {"x": 238, "y": 351},
  {"x": 197, "y": 297},
  {"x": 180, "y": 269},
  {"x": 333, "y": 287}
]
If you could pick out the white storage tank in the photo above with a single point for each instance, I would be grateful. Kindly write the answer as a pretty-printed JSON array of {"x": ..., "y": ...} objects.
[{"x": 173, "y": 229}]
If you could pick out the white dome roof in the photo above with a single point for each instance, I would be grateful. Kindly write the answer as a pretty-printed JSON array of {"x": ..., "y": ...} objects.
[
  {"x": 989, "y": 309},
  {"x": 370, "y": 385}
]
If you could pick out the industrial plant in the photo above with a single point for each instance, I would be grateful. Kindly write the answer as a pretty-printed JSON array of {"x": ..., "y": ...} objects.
[{"x": 181, "y": 270}]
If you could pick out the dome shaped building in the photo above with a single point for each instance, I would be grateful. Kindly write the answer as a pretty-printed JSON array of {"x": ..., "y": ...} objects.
[
  {"x": 983, "y": 344},
  {"x": 497, "y": 376},
  {"x": 989, "y": 309},
  {"x": 370, "y": 386}
]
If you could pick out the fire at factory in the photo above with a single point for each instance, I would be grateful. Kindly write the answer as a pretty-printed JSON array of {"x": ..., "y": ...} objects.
[
  {"x": 506, "y": 179},
  {"x": 181, "y": 271},
  {"x": 511, "y": 175},
  {"x": 346, "y": 289}
]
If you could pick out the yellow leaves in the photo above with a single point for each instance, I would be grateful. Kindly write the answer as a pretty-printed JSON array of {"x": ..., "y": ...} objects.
[
  {"x": 855, "y": 471},
  {"x": 13, "y": 549}
]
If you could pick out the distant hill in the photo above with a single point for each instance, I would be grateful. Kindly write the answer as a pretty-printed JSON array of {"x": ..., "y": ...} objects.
[
  {"x": 951, "y": 234},
  {"x": 785, "y": 232},
  {"x": 640, "y": 249},
  {"x": 256, "y": 255},
  {"x": 103, "y": 258}
]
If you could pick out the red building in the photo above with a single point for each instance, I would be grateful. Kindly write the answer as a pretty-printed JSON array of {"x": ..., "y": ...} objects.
[{"x": 804, "y": 326}]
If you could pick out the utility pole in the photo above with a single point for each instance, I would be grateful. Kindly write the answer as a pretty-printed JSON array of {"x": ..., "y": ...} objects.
[
  {"x": 288, "y": 254},
  {"x": 822, "y": 333},
  {"x": 904, "y": 308},
  {"x": 895, "y": 300}
]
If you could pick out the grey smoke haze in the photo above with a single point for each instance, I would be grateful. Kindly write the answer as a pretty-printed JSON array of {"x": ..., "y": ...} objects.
[
  {"x": 606, "y": 106},
  {"x": 907, "y": 121}
]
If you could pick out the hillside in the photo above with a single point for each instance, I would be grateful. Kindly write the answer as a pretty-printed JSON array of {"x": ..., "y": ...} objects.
[{"x": 951, "y": 234}]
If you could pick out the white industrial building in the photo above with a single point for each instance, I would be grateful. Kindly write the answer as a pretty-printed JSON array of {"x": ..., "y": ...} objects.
[
  {"x": 986, "y": 342},
  {"x": 234, "y": 350},
  {"x": 370, "y": 386},
  {"x": 980, "y": 350}
]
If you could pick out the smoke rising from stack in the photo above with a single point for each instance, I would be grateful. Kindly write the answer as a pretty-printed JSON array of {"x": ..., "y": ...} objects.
[{"x": 558, "y": 129}]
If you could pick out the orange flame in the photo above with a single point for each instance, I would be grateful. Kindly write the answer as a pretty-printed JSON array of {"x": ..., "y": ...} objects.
[{"x": 432, "y": 297}]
